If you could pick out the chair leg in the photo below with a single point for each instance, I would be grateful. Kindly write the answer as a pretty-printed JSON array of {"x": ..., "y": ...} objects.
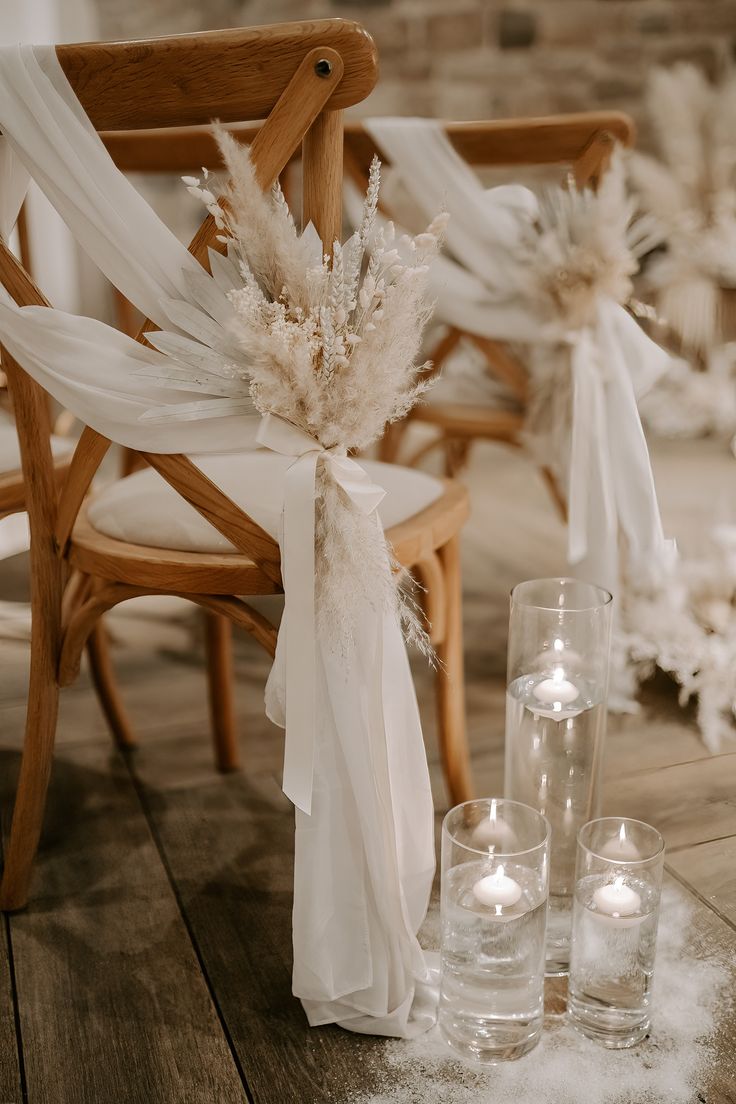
[
  {"x": 451, "y": 682},
  {"x": 38, "y": 747},
  {"x": 219, "y": 645},
  {"x": 103, "y": 679}
]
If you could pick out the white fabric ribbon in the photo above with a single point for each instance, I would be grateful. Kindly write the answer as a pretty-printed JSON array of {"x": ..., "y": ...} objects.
[
  {"x": 298, "y": 568},
  {"x": 590, "y": 474},
  {"x": 611, "y": 485}
]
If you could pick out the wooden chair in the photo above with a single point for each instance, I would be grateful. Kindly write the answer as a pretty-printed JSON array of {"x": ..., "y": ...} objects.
[
  {"x": 298, "y": 77},
  {"x": 582, "y": 143}
]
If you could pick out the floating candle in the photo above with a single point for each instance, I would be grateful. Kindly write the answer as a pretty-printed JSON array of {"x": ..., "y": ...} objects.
[
  {"x": 617, "y": 899},
  {"x": 497, "y": 889},
  {"x": 620, "y": 847},
  {"x": 555, "y": 690}
]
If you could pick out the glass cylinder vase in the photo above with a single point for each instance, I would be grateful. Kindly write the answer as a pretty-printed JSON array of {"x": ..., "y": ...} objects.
[
  {"x": 495, "y": 873},
  {"x": 614, "y": 931},
  {"x": 556, "y": 701}
]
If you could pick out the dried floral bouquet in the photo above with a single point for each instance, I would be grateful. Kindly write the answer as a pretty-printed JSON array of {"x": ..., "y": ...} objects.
[
  {"x": 689, "y": 192},
  {"x": 689, "y": 279},
  {"x": 580, "y": 249},
  {"x": 328, "y": 343}
]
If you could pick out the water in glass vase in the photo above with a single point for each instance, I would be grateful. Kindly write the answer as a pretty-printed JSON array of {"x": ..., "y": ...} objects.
[
  {"x": 612, "y": 963},
  {"x": 492, "y": 989},
  {"x": 554, "y": 751}
]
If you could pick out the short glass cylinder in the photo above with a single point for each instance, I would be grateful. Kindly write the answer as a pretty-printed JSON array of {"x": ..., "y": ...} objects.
[
  {"x": 618, "y": 883},
  {"x": 495, "y": 875},
  {"x": 558, "y": 659}
]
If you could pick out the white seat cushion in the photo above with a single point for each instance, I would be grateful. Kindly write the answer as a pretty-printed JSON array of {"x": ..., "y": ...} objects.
[
  {"x": 143, "y": 509},
  {"x": 10, "y": 449}
]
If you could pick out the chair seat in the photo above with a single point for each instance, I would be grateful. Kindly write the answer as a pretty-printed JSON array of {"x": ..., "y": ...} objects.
[
  {"x": 143, "y": 509},
  {"x": 10, "y": 449}
]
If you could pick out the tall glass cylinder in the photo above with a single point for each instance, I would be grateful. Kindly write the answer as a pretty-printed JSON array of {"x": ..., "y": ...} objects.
[
  {"x": 495, "y": 871},
  {"x": 614, "y": 931},
  {"x": 558, "y": 659}
]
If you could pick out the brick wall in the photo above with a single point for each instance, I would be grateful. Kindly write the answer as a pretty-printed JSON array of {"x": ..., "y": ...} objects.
[{"x": 469, "y": 59}]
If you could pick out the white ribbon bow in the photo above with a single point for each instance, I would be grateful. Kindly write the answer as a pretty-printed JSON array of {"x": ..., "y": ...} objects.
[{"x": 298, "y": 571}]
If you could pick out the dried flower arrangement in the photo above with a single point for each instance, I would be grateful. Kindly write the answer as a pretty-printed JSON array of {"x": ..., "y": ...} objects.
[
  {"x": 580, "y": 250},
  {"x": 690, "y": 194},
  {"x": 685, "y": 624},
  {"x": 583, "y": 245},
  {"x": 327, "y": 343}
]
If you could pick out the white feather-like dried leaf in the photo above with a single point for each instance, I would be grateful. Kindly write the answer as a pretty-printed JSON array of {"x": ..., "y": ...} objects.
[
  {"x": 196, "y": 411},
  {"x": 199, "y": 325}
]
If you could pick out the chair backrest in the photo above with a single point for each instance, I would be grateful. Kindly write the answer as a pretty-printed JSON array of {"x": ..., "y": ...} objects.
[
  {"x": 297, "y": 77},
  {"x": 584, "y": 142},
  {"x": 170, "y": 150}
]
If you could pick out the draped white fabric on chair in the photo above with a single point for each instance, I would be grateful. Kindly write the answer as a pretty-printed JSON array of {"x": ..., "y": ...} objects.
[
  {"x": 365, "y": 854},
  {"x": 54, "y": 257},
  {"x": 58, "y": 267},
  {"x": 481, "y": 288}
]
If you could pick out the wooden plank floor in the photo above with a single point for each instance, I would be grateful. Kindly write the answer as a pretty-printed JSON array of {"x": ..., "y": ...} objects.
[{"x": 153, "y": 964}]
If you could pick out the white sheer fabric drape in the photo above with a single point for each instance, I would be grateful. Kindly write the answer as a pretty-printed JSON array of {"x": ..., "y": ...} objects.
[
  {"x": 59, "y": 267},
  {"x": 481, "y": 288},
  {"x": 365, "y": 855}
]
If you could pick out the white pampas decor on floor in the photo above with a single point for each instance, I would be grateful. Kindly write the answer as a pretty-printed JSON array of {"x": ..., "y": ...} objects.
[{"x": 686, "y": 626}]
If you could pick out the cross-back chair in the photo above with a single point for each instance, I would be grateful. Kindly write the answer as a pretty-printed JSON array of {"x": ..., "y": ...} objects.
[
  {"x": 582, "y": 144},
  {"x": 298, "y": 77}
]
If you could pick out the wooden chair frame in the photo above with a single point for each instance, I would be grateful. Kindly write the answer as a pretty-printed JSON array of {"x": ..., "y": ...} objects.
[
  {"x": 298, "y": 77},
  {"x": 583, "y": 141}
]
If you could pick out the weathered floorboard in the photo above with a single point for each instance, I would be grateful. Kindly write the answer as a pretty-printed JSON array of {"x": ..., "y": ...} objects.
[
  {"x": 689, "y": 803},
  {"x": 113, "y": 1005},
  {"x": 710, "y": 868},
  {"x": 229, "y": 845},
  {"x": 10, "y": 1081}
]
